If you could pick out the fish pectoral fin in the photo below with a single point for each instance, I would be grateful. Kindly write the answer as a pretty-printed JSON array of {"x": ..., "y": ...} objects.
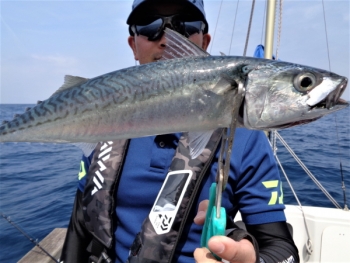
[
  {"x": 86, "y": 147},
  {"x": 179, "y": 46},
  {"x": 198, "y": 141},
  {"x": 224, "y": 85},
  {"x": 69, "y": 82},
  {"x": 230, "y": 82}
]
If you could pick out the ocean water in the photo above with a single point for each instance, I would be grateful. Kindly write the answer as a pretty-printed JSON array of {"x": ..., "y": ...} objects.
[{"x": 38, "y": 181}]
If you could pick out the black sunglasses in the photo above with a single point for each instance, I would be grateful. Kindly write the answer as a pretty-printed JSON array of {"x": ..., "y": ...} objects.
[{"x": 153, "y": 27}]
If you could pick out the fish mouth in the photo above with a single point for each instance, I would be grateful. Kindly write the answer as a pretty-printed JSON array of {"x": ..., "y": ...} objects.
[
  {"x": 333, "y": 99},
  {"x": 331, "y": 103}
]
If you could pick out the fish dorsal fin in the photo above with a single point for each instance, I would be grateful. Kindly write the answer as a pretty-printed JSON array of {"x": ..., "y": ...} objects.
[
  {"x": 69, "y": 82},
  {"x": 179, "y": 46},
  {"x": 222, "y": 54},
  {"x": 198, "y": 141}
]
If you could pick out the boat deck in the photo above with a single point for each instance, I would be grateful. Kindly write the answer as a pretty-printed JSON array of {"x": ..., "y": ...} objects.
[{"x": 52, "y": 243}]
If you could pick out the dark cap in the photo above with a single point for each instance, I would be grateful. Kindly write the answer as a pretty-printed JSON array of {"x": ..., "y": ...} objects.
[{"x": 140, "y": 8}]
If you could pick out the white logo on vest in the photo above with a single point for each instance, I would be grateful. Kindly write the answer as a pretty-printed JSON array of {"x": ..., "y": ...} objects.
[
  {"x": 168, "y": 200},
  {"x": 102, "y": 157}
]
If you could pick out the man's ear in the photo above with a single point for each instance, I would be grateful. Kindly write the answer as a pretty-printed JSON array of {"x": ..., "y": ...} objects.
[
  {"x": 206, "y": 41},
  {"x": 131, "y": 42}
]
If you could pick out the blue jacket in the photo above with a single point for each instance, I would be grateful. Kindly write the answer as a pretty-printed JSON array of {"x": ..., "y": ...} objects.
[{"x": 254, "y": 187}]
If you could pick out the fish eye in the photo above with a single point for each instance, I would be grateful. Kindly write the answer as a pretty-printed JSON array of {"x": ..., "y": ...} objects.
[
  {"x": 245, "y": 69},
  {"x": 305, "y": 81}
]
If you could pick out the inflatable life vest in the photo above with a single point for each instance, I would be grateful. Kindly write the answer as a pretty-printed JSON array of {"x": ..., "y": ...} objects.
[{"x": 161, "y": 230}]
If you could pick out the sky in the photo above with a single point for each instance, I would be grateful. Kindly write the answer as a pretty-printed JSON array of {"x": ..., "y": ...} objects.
[{"x": 41, "y": 41}]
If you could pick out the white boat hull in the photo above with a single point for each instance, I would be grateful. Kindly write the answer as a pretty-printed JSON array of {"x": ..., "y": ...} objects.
[{"x": 329, "y": 230}]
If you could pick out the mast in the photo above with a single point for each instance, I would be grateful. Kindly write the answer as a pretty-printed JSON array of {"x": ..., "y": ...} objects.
[
  {"x": 270, "y": 28},
  {"x": 269, "y": 37}
]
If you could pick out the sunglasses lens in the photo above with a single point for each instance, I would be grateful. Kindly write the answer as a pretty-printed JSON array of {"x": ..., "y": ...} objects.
[
  {"x": 153, "y": 30},
  {"x": 193, "y": 27},
  {"x": 149, "y": 30}
]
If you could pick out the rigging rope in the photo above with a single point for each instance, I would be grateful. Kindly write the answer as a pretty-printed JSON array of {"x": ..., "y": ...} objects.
[
  {"x": 249, "y": 27},
  {"x": 325, "y": 28},
  {"x": 263, "y": 23},
  {"x": 309, "y": 242},
  {"x": 216, "y": 25},
  {"x": 313, "y": 178},
  {"x": 233, "y": 29},
  {"x": 335, "y": 116},
  {"x": 341, "y": 165}
]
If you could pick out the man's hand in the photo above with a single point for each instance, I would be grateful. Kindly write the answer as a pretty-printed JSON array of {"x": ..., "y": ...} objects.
[{"x": 224, "y": 247}]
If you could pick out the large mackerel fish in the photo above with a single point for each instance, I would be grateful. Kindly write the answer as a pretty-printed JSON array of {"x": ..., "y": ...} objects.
[{"x": 194, "y": 93}]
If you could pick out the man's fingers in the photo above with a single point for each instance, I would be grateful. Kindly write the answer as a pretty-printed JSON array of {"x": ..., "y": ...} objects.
[
  {"x": 202, "y": 210},
  {"x": 232, "y": 251}
]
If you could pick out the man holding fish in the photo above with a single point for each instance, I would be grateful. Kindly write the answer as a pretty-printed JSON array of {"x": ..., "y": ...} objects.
[
  {"x": 253, "y": 178},
  {"x": 151, "y": 137}
]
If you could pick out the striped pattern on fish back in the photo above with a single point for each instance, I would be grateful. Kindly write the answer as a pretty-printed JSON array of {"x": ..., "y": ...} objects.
[{"x": 127, "y": 86}]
